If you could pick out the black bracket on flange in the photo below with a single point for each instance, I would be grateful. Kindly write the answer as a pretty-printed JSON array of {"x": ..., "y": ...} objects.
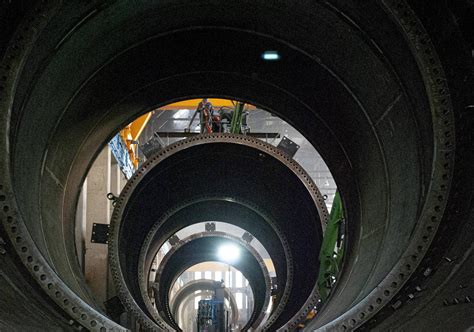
[
  {"x": 100, "y": 233},
  {"x": 288, "y": 146}
]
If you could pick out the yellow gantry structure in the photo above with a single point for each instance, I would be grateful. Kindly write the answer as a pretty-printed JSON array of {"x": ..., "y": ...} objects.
[
  {"x": 130, "y": 136},
  {"x": 131, "y": 132},
  {"x": 193, "y": 103}
]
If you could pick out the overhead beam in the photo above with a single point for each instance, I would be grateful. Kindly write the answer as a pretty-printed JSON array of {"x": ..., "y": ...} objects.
[{"x": 193, "y": 103}]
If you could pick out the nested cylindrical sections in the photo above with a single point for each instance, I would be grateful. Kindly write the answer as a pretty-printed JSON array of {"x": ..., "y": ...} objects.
[{"x": 231, "y": 169}]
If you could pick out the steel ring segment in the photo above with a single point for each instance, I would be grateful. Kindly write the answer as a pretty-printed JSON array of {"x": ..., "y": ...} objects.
[
  {"x": 371, "y": 121},
  {"x": 201, "y": 285},
  {"x": 293, "y": 78},
  {"x": 252, "y": 169},
  {"x": 280, "y": 304},
  {"x": 71, "y": 305},
  {"x": 253, "y": 321},
  {"x": 437, "y": 176},
  {"x": 249, "y": 270},
  {"x": 204, "y": 247},
  {"x": 231, "y": 211}
]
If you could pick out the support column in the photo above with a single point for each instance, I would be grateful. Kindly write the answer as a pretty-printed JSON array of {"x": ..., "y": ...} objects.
[{"x": 98, "y": 211}]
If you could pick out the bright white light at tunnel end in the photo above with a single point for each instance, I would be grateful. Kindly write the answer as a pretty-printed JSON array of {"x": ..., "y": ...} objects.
[{"x": 228, "y": 253}]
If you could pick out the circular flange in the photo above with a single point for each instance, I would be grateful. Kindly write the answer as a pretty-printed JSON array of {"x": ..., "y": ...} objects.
[
  {"x": 256, "y": 319},
  {"x": 142, "y": 273},
  {"x": 134, "y": 182}
]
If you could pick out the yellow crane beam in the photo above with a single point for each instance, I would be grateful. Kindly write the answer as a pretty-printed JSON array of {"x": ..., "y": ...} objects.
[
  {"x": 193, "y": 103},
  {"x": 131, "y": 133}
]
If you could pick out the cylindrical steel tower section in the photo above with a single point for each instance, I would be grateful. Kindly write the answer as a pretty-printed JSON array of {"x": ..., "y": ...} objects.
[
  {"x": 204, "y": 247},
  {"x": 222, "y": 166},
  {"x": 381, "y": 88},
  {"x": 230, "y": 210}
]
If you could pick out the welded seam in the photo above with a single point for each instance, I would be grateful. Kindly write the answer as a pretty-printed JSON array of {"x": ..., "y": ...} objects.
[
  {"x": 55, "y": 179},
  {"x": 388, "y": 109}
]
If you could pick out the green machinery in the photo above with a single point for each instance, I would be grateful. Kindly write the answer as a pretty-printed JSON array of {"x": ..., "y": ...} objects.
[
  {"x": 234, "y": 120},
  {"x": 236, "y": 123},
  {"x": 332, "y": 249}
]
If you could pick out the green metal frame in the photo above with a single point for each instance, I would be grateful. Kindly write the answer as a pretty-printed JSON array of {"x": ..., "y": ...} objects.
[
  {"x": 330, "y": 256},
  {"x": 236, "y": 123}
]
